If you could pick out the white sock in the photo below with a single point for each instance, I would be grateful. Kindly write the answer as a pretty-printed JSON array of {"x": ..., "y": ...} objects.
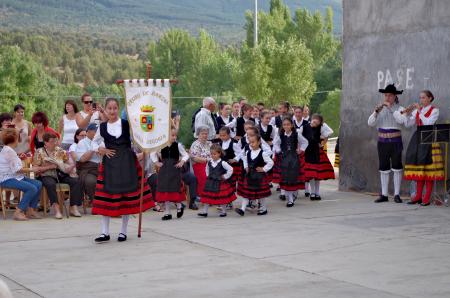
[
  {"x": 205, "y": 208},
  {"x": 125, "y": 219},
  {"x": 244, "y": 204},
  {"x": 290, "y": 196},
  {"x": 312, "y": 186},
  {"x": 223, "y": 209},
  {"x": 317, "y": 187},
  {"x": 178, "y": 206},
  {"x": 398, "y": 176},
  {"x": 384, "y": 182},
  {"x": 105, "y": 224},
  {"x": 262, "y": 203},
  {"x": 166, "y": 207},
  {"x": 283, "y": 192},
  {"x": 307, "y": 187}
]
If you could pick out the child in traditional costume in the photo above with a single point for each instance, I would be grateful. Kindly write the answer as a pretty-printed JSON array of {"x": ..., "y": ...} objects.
[
  {"x": 317, "y": 165},
  {"x": 218, "y": 190},
  {"x": 289, "y": 147},
  {"x": 119, "y": 175},
  {"x": 255, "y": 182},
  {"x": 170, "y": 188}
]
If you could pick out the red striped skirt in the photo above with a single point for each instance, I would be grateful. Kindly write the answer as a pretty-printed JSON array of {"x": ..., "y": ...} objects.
[
  {"x": 299, "y": 184},
  {"x": 252, "y": 194},
  {"x": 175, "y": 197},
  {"x": 120, "y": 204},
  {"x": 200, "y": 174},
  {"x": 224, "y": 196},
  {"x": 237, "y": 172},
  {"x": 321, "y": 171}
]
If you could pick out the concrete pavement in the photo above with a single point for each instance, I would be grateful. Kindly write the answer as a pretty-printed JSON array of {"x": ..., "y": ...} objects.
[{"x": 343, "y": 246}]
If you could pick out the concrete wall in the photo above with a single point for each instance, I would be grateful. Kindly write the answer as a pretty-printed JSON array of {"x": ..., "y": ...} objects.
[{"x": 402, "y": 41}]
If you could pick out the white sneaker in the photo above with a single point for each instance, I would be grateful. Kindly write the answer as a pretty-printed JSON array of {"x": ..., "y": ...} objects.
[{"x": 74, "y": 212}]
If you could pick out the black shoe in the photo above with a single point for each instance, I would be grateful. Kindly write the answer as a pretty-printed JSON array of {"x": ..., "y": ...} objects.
[
  {"x": 271, "y": 185},
  {"x": 425, "y": 204},
  {"x": 251, "y": 205},
  {"x": 312, "y": 197},
  {"x": 382, "y": 199},
  {"x": 414, "y": 202},
  {"x": 239, "y": 211},
  {"x": 223, "y": 215},
  {"x": 180, "y": 212},
  {"x": 318, "y": 198},
  {"x": 290, "y": 204},
  {"x": 203, "y": 214},
  {"x": 102, "y": 238},
  {"x": 397, "y": 199},
  {"x": 278, "y": 188},
  {"x": 282, "y": 197},
  {"x": 229, "y": 206},
  {"x": 193, "y": 206},
  {"x": 167, "y": 217},
  {"x": 262, "y": 212},
  {"x": 307, "y": 194},
  {"x": 122, "y": 237}
]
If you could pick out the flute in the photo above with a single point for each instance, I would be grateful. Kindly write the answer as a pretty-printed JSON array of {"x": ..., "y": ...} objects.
[
  {"x": 409, "y": 109},
  {"x": 380, "y": 107}
]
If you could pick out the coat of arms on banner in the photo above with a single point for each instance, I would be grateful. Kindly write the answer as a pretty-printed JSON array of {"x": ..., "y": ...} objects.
[
  {"x": 149, "y": 106},
  {"x": 147, "y": 118}
]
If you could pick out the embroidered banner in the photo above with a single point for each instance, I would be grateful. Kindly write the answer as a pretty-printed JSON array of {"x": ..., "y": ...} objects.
[{"x": 149, "y": 106}]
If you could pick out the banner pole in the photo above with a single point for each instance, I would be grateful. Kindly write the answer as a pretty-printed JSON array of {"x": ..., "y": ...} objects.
[{"x": 141, "y": 199}]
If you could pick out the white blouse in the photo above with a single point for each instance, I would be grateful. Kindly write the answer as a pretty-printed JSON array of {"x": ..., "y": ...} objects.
[
  {"x": 236, "y": 148},
  {"x": 325, "y": 131},
  {"x": 254, "y": 154},
  {"x": 410, "y": 120},
  {"x": 10, "y": 164},
  {"x": 184, "y": 156},
  {"x": 114, "y": 128},
  {"x": 302, "y": 142},
  {"x": 225, "y": 165}
]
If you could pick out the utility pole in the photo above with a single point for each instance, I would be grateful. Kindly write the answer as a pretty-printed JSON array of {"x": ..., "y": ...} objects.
[{"x": 255, "y": 29}]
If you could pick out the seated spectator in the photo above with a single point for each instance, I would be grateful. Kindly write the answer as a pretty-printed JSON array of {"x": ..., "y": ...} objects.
[
  {"x": 12, "y": 176},
  {"x": 54, "y": 160},
  {"x": 79, "y": 135},
  {"x": 88, "y": 159},
  {"x": 40, "y": 122}
]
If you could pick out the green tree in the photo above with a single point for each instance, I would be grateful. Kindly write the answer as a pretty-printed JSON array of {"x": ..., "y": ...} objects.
[
  {"x": 21, "y": 78},
  {"x": 330, "y": 109}
]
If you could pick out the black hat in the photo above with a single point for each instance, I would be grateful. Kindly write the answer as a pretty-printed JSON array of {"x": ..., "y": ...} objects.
[{"x": 390, "y": 89}]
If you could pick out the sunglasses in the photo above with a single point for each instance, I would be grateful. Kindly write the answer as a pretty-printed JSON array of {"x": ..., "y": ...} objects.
[{"x": 87, "y": 102}]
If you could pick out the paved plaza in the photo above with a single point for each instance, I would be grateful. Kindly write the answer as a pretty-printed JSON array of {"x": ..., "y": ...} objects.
[{"x": 343, "y": 246}]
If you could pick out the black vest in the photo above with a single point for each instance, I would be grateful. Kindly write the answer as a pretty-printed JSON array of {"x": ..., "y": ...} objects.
[
  {"x": 171, "y": 152},
  {"x": 278, "y": 121},
  {"x": 266, "y": 136},
  {"x": 244, "y": 145},
  {"x": 240, "y": 121},
  {"x": 222, "y": 123},
  {"x": 257, "y": 162},
  {"x": 217, "y": 172},
  {"x": 289, "y": 143},
  {"x": 229, "y": 152}
]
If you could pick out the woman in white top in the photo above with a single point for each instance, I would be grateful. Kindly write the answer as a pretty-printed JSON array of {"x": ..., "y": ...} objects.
[
  {"x": 24, "y": 128},
  {"x": 68, "y": 124},
  {"x": 424, "y": 163},
  {"x": 91, "y": 113},
  {"x": 12, "y": 176}
]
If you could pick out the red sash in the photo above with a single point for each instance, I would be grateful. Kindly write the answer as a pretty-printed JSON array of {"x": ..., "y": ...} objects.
[{"x": 427, "y": 114}]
